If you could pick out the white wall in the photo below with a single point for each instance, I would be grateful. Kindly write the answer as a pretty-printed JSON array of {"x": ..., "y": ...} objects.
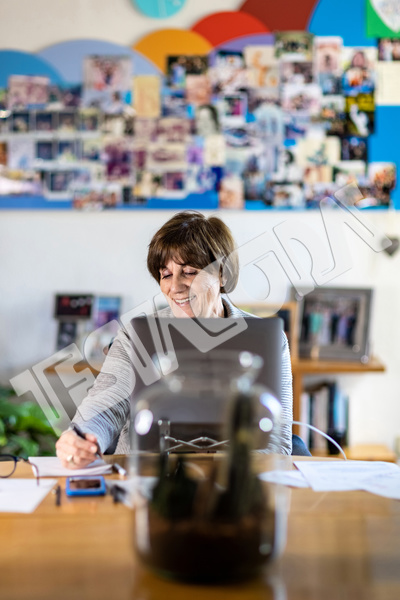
[
  {"x": 44, "y": 252},
  {"x": 32, "y": 25}
]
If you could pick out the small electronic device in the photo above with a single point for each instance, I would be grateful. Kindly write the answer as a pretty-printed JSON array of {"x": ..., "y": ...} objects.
[{"x": 93, "y": 485}]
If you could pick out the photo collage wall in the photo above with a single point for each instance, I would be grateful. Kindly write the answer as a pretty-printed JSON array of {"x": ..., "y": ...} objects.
[{"x": 280, "y": 125}]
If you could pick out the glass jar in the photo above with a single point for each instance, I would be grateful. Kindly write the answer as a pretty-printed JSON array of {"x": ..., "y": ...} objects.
[{"x": 200, "y": 437}]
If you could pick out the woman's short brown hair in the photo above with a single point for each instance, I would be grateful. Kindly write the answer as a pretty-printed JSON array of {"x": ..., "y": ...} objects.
[{"x": 192, "y": 239}]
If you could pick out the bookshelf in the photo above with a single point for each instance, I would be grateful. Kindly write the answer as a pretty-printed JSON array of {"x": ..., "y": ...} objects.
[
  {"x": 302, "y": 367},
  {"x": 307, "y": 366}
]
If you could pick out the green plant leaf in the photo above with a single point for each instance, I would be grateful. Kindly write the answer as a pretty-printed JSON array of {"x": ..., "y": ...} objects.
[{"x": 22, "y": 446}]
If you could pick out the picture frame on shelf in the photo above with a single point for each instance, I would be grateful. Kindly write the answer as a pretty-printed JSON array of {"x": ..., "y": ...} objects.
[
  {"x": 288, "y": 312},
  {"x": 334, "y": 323}
]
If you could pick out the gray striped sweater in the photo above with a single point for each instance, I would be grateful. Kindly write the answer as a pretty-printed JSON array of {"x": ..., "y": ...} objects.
[{"x": 106, "y": 409}]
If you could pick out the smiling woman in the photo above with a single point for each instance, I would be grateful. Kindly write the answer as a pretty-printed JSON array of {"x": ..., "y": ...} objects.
[{"x": 194, "y": 260}]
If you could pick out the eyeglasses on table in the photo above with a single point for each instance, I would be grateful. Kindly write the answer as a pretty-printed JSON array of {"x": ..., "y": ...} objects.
[{"x": 8, "y": 464}]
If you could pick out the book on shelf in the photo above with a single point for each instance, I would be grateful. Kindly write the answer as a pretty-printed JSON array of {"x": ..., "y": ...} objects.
[{"x": 325, "y": 406}]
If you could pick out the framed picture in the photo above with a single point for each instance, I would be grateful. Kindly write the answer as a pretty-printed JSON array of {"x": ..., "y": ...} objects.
[
  {"x": 334, "y": 324},
  {"x": 68, "y": 307},
  {"x": 288, "y": 312}
]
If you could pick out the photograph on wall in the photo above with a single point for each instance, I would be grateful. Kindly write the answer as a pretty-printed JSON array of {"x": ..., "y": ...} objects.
[
  {"x": 145, "y": 130},
  {"x": 66, "y": 334},
  {"x": 254, "y": 185},
  {"x": 88, "y": 120},
  {"x": 178, "y": 67},
  {"x": 360, "y": 115},
  {"x": 328, "y": 63},
  {"x": 262, "y": 66},
  {"x": 20, "y": 183},
  {"x": 389, "y": 49},
  {"x": 288, "y": 195},
  {"x": 287, "y": 167},
  {"x": 20, "y": 153},
  {"x": 231, "y": 192},
  {"x": 147, "y": 185},
  {"x": 318, "y": 151},
  {"x": 317, "y": 191},
  {"x": 146, "y": 96},
  {"x": 166, "y": 157},
  {"x": 233, "y": 108},
  {"x": 214, "y": 151},
  {"x": 117, "y": 157},
  {"x": 92, "y": 149},
  {"x": 58, "y": 183},
  {"x": 96, "y": 196},
  {"x": 44, "y": 121},
  {"x": 359, "y": 66},
  {"x": 3, "y": 153},
  {"x": 354, "y": 148},
  {"x": 335, "y": 324},
  {"x": 67, "y": 121},
  {"x": 198, "y": 89},
  {"x": 228, "y": 71},
  {"x": 294, "y": 45},
  {"x": 174, "y": 103},
  {"x": 170, "y": 129},
  {"x": 106, "y": 79},
  {"x": 346, "y": 172},
  {"x": 73, "y": 306},
  {"x": 5, "y": 120},
  {"x": 25, "y": 91},
  {"x": 298, "y": 72},
  {"x": 45, "y": 150},
  {"x": 257, "y": 97},
  {"x": 302, "y": 98},
  {"x": 113, "y": 125},
  {"x": 66, "y": 150},
  {"x": 382, "y": 178},
  {"x": 20, "y": 121},
  {"x": 206, "y": 121},
  {"x": 269, "y": 123},
  {"x": 332, "y": 116}
]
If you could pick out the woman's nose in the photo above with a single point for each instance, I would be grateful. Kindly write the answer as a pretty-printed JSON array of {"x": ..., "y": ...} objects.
[{"x": 178, "y": 283}]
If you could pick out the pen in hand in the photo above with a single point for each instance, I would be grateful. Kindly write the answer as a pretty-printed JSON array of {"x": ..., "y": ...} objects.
[
  {"x": 115, "y": 466},
  {"x": 82, "y": 435}
]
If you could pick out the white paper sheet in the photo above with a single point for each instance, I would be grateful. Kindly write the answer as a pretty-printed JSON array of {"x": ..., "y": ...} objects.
[
  {"x": 388, "y": 86},
  {"x": 291, "y": 478},
  {"x": 378, "y": 477},
  {"x": 50, "y": 466},
  {"x": 23, "y": 495}
]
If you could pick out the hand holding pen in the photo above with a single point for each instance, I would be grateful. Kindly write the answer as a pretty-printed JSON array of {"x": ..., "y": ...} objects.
[
  {"x": 76, "y": 449},
  {"x": 85, "y": 449}
]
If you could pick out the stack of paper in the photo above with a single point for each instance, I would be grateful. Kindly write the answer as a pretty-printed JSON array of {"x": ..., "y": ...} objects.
[
  {"x": 23, "y": 495},
  {"x": 50, "y": 466},
  {"x": 377, "y": 477}
]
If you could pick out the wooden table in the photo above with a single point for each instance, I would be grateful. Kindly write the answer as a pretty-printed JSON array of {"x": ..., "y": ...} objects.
[{"x": 341, "y": 546}]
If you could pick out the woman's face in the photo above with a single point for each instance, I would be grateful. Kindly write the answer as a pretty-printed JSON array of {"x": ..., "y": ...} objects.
[
  {"x": 192, "y": 292},
  {"x": 205, "y": 124}
]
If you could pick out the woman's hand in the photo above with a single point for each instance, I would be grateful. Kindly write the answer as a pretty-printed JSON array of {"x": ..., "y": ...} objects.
[{"x": 74, "y": 452}]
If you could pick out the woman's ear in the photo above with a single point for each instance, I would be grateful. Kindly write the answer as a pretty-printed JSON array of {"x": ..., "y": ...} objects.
[{"x": 222, "y": 278}]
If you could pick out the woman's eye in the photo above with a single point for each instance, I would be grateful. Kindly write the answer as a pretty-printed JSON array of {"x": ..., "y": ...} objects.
[
  {"x": 190, "y": 272},
  {"x": 165, "y": 276}
]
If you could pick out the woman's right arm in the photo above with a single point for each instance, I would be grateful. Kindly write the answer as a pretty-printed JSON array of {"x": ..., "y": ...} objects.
[{"x": 106, "y": 408}]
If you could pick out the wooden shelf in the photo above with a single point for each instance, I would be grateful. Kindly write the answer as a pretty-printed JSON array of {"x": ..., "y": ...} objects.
[
  {"x": 362, "y": 452},
  {"x": 308, "y": 366}
]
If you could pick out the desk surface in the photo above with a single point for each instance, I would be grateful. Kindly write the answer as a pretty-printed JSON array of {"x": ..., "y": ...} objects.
[{"x": 340, "y": 546}]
